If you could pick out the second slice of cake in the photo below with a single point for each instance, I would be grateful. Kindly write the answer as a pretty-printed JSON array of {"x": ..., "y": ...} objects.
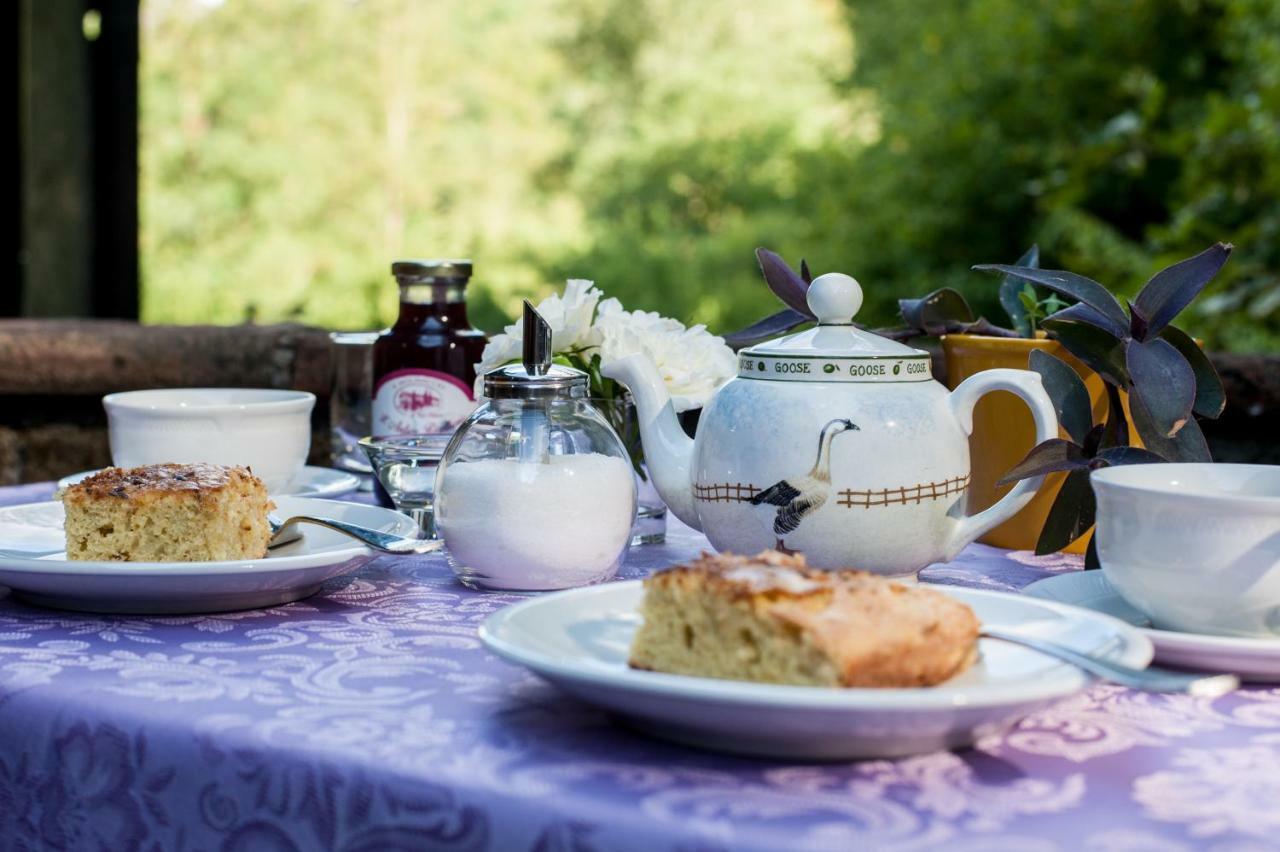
[{"x": 770, "y": 618}]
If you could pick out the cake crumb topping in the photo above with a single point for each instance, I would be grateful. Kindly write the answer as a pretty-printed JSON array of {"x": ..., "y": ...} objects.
[{"x": 126, "y": 483}]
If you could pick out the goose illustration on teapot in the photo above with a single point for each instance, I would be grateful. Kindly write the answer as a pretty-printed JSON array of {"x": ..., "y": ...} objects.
[
  {"x": 805, "y": 495},
  {"x": 891, "y": 501}
]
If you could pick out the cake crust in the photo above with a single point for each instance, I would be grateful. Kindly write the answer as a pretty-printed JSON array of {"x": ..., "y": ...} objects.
[
  {"x": 154, "y": 481},
  {"x": 772, "y": 618}
]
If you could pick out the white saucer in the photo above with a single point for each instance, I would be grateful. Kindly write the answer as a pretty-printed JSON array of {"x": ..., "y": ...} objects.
[
  {"x": 579, "y": 641},
  {"x": 1251, "y": 659},
  {"x": 313, "y": 481},
  {"x": 33, "y": 565}
]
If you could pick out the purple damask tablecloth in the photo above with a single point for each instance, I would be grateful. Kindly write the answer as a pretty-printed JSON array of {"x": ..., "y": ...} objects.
[{"x": 370, "y": 718}]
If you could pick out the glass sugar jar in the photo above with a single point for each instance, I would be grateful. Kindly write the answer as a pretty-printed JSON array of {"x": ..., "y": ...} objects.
[{"x": 536, "y": 490}]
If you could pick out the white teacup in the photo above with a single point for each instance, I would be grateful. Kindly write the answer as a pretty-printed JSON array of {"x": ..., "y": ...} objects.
[
  {"x": 1194, "y": 546},
  {"x": 268, "y": 431}
]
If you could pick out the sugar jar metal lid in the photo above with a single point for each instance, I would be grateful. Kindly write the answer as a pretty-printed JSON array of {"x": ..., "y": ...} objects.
[
  {"x": 515, "y": 382},
  {"x": 535, "y": 377},
  {"x": 835, "y": 350}
]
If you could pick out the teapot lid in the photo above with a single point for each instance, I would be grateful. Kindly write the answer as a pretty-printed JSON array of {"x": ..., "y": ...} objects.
[{"x": 835, "y": 350}]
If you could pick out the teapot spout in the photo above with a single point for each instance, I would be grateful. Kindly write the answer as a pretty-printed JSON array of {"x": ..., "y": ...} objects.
[{"x": 668, "y": 451}]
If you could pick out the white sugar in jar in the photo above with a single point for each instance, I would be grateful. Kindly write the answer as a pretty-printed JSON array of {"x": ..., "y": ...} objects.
[{"x": 534, "y": 526}]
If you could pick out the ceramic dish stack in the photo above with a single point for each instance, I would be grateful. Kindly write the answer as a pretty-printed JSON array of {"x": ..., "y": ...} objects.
[
  {"x": 35, "y": 567},
  {"x": 579, "y": 640},
  {"x": 268, "y": 431},
  {"x": 1191, "y": 554}
]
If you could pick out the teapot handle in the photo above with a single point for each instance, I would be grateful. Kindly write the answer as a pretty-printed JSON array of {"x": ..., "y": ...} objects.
[{"x": 1027, "y": 385}]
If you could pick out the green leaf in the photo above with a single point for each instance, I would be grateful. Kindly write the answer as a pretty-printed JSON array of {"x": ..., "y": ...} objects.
[
  {"x": 1012, "y": 295},
  {"x": 1211, "y": 398},
  {"x": 1164, "y": 382},
  {"x": 1015, "y": 306},
  {"x": 1066, "y": 389},
  {"x": 1027, "y": 296},
  {"x": 1073, "y": 286},
  {"x": 1053, "y": 455},
  {"x": 1172, "y": 289},
  {"x": 1188, "y": 445},
  {"x": 1071, "y": 515},
  {"x": 1099, "y": 350},
  {"x": 1052, "y": 304}
]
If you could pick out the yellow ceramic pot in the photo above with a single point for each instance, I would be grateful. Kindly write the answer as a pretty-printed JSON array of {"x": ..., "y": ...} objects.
[{"x": 1003, "y": 432}]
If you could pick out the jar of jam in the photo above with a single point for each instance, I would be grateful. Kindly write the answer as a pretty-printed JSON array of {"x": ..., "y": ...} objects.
[{"x": 424, "y": 365}]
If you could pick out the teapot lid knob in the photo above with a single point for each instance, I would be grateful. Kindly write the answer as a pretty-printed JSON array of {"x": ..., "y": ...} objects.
[{"x": 835, "y": 298}]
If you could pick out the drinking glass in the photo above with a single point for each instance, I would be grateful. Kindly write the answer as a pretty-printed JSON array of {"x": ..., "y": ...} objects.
[
  {"x": 351, "y": 398},
  {"x": 406, "y": 467},
  {"x": 651, "y": 513}
]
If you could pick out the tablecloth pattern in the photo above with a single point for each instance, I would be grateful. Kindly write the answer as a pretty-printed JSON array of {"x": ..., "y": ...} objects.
[{"x": 369, "y": 717}]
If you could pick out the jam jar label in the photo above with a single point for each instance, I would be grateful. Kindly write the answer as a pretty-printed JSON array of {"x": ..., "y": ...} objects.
[{"x": 419, "y": 402}]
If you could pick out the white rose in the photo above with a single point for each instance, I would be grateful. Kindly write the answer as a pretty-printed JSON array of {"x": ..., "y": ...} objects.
[
  {"x": 501, "y": 349},
  {"x": 693, "y": 363},
  {"x": 569, "y": 316}
]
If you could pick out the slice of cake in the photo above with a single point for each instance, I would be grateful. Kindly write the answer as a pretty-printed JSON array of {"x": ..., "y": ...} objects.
[
  {"x": 771, "y": 618},
  {"x": 167, "y": 513}
]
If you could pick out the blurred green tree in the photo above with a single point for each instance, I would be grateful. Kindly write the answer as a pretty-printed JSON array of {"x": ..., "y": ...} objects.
[
  {"x": 1120, "y": 136},
  {"x": 290, "y": 150}
]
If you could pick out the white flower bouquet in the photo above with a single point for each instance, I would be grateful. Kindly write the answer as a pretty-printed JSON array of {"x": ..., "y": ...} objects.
[{"x": 588, "y": 332}]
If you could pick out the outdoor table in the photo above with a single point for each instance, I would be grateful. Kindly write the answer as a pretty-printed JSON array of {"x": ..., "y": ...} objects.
[{"x": 370, "y": 717}]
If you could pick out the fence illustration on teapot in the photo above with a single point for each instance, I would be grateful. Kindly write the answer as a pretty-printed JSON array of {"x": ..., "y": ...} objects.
[{"x": 849, "y": 498}]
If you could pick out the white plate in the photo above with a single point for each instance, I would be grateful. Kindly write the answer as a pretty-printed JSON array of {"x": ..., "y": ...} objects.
[
  {"x": 1250, "y": 659},
  {"x": 311, "y": 482},
  {"x": 287, "y": 573},
  {"x": 579, "y": 640}
]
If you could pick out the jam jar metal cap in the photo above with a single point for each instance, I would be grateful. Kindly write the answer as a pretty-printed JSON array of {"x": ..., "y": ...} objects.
[{"x": 432, "y": 271}]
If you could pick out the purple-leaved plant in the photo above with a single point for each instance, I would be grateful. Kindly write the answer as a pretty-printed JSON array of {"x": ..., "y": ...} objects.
[
  {"x": 1168, "y": 378},
  {"x": 944, "y": 311}
]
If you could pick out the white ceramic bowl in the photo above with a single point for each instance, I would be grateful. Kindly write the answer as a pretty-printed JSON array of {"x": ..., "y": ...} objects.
[
  {"x": 266, "y": 430},
  {"x": 1194, "y": 546}
]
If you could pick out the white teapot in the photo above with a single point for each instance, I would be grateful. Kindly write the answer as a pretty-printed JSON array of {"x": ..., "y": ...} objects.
[{"x": 833, "y": 442}]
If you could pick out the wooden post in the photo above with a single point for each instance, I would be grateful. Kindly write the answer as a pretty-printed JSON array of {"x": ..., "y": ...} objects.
[
  {"x": 113, "y": 77},
  {"x": 77, "y": 106}
]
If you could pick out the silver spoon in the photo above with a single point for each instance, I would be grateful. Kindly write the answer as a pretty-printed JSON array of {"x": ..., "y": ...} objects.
[
  {"x": 1149, "y": 679},
  {"x": 282, "y": 533}
]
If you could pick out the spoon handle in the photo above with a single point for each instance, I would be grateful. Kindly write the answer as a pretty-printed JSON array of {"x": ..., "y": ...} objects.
[
  {"x": 1150, "y": 679},
  {"x": 378, "y": 540}
]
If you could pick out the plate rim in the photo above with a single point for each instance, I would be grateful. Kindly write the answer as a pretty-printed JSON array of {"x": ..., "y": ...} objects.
[
  {"x": 1137, "y": 651},
  {"x": 296, "y": 561},
  {"x": 1180, "y": 639}
]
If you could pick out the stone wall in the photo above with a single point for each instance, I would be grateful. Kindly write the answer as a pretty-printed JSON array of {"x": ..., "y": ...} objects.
[{"x": 53, "y": 374}]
